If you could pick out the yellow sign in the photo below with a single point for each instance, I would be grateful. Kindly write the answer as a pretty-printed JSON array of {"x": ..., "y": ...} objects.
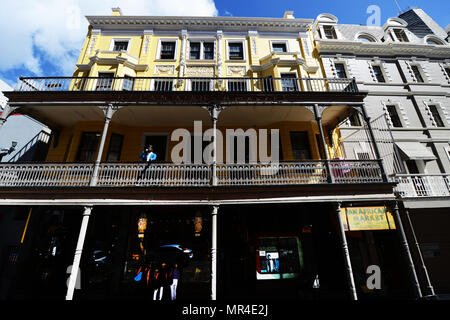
[{"x": 367, "y": 218}]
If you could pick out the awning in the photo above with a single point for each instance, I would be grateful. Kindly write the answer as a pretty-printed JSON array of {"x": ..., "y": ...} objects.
[{"x": 415, "y": 151}]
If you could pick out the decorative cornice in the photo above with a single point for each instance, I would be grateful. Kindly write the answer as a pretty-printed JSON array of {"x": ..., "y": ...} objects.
[
  {"x": 382, "y": 48},
  {"x": 199, "y": 23}
]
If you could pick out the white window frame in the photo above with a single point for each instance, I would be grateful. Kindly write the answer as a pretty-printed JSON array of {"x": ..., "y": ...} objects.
[
  {"x": 285, "y": 42},
  {"x": 202, "y": 49},
  {"x": 244, "y": 49},
  {"x": 113, "y": 42},
  {"x": 344, "y": 63},
  {"x": 322, "y": 31},
  {"x": 158, "y": 50},
  {"x": 439, "y": 110},
  {"x": 422, "y": 73},
  {"x": 395, "y": 35},
  {"x": 383, "y": 71},
  {"x": 399, "y": 113}
]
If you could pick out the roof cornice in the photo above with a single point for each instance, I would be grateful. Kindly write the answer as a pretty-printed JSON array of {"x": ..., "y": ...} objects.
[
  {"x": 199, "y": 23},
  {"x": 391, "y": 48}
]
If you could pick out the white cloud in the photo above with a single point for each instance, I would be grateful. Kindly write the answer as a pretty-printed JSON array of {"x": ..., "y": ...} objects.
[{"x": 52, "y": 31}]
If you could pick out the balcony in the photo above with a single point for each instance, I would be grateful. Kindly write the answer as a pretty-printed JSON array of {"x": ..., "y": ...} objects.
[
  {"x": 68, "y": 175},
  {"x": 422, "y": 186},
  {"x": 185, "y": 84}
]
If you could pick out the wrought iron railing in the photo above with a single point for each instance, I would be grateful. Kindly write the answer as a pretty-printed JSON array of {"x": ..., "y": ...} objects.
[
  {"x": 169, "y": 174},
  {"x": 191, "y": 84},
  {"x": 423, "y": 185}
]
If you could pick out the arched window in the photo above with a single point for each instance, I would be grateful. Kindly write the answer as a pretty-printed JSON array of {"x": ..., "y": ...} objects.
[{"x": 365, "y": 38}]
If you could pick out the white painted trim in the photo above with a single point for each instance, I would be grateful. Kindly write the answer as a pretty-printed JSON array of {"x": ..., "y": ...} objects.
[
  {"x": 202, "y": 48},
  {"x": 285, "y": 42},
  {"x": 113, "y": 40},
  {"x": 158, "y": 49},
  {"x": 244, "y": 48}
]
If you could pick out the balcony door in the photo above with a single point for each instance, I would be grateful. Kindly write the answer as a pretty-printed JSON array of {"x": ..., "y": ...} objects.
[
  {"x": 300, "y": 145},
  {"x": 87, "y": 149},
  {"x": 159, "y": 144}
]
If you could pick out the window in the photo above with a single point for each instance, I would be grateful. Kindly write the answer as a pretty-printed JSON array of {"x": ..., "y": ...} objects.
[
  {"x": 300, "y": 145},
  {"x": 417, "y": 74},
  {"x": 393, "y": 114},
  {"x": 329, "y": 31},
  {"x": 235, "y": 51},
  {"x": 104, "y": 81},
  {"x": 289, "y": 82},
  {"x": 433, "y": 42},
  {"x": 120, "y": 45},
  {"x": 378, "y": 73},
  {"x": 355, "y": 120},
  {"x": 340, "y": 70},
  {"x": 87, "y": 148},
  {"x": 201, "y": 50},
  {"x": 279, "y": 47},
  {"x": 128, "y": 83},
  {"x": 447, "y": 71},
  {"x": 401, "y": 35},
  {"x": 167, "y": 50},
  {"x": 115, "y": 147},
  {"x": 163, "y": 85},
  {"x": 436, "y": 116},
  {"x": 194, "y": 51},
  {"x": 237, "y": 85}
]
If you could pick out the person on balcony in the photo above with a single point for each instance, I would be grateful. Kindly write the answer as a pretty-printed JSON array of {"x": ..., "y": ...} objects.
[{"x": 147, "y": 156}]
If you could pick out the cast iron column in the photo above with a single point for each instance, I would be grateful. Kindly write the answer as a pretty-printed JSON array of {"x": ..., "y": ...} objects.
[
  {"x": 318, "y": 117},
  {"x": 348, "y": 263},
  {"x": 214, "y": 253},
  {"x": 78, "y": 251},
  {"x": 406, "y": 252},
  {"x": 422, "y": 262}
]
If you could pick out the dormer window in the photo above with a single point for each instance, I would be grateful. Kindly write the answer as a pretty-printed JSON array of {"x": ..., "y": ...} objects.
[
  {"x": 365, "y": 39},
  {"x": 401, "y": 35},
  {"x": 329, "y": 32}
]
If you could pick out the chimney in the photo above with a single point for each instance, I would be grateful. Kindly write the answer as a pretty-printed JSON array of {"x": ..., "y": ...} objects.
[
  {"x": 116, "y": 11},
  {"x": 289, "y": 15}
]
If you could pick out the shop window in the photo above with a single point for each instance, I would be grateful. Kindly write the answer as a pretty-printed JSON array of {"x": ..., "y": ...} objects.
[
  {"x": 278, "y": 258},
  {"x": 115, "y": 147},
  {"x": 88, "y": 146},
  {"x": 300, "y": 145},
  {"x": 436, "y": 116}
]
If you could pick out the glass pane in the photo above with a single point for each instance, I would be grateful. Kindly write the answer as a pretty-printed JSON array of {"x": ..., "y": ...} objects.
[
  {"x": 208, "y": 49},
  {"x": 195, "y": 51},
  {"x": 120, "y": 45}
]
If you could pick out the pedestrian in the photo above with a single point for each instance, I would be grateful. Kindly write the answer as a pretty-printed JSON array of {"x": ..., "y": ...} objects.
[
  {"x": 147, "y": 156},
  {"x": 173, "y": 286}
]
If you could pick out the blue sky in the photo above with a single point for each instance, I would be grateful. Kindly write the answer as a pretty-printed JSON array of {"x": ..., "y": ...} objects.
[{"x": 46, "y": 36}]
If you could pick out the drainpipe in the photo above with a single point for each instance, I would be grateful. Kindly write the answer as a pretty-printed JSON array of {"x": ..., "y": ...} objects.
[
  {"x": 78, "y": 251},
  {"x": 344, "y": 245}
]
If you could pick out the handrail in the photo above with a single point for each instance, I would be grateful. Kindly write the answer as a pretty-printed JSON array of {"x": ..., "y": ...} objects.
[{"x": 186, "y": 84}]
